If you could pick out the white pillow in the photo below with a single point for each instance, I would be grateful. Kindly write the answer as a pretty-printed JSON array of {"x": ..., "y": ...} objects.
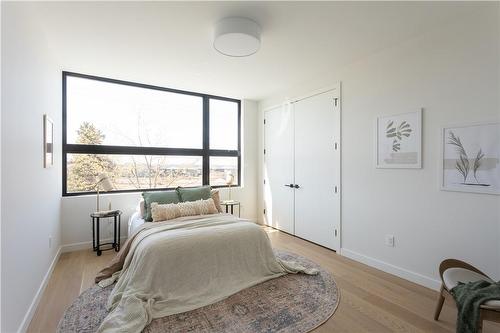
[
  {"x": 165, "y": 212},
  {"x": 142, "y": 209}
]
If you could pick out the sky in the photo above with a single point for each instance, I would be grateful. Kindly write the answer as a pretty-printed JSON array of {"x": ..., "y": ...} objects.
[{"x": 133, "y": 116}]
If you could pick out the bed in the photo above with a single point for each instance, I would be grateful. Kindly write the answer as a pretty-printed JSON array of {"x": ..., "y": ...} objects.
[
  {"x": 185, "y": 263},
  {"x": 134, "y": 222}
]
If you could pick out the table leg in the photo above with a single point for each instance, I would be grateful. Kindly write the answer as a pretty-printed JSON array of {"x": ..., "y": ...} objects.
[
  {"x": 232, "y": 209},
  {"x": 93, "y": 234},
  {"x": 239, "y": 210},
  {"x": 227, "y": 208},
  {"x": 118, "y": 240},
  {"x": 99, "y": 252},
  {"x": 114, "y": 232}
]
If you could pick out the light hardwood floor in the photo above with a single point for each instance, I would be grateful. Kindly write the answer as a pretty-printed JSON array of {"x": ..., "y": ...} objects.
[{"x": 371, "y": 300}]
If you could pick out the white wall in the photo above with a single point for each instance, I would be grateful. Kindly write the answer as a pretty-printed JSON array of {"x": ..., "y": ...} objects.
[
  {"x": 76, "y": 225},
  {"x": 0, "y": 179},
  {"x": 453, "y": 74},
  {"x": 498, "y": 107},
  {"x": 247, "y": 194},
  {"x": 30, "y": 206},
  {"x": 498, "y": 95}
]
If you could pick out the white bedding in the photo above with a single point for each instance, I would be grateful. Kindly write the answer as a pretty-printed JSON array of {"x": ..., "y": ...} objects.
[
  {"x": 186, "y": 263},
  {"x": 134, "y": 222}
]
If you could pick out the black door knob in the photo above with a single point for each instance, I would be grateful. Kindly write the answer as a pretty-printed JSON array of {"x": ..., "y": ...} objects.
[
  {"x": 296, "y": 186},
  {"x": 289, "y": 185}
]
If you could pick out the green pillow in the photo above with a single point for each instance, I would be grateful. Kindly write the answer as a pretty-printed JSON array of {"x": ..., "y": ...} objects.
[
  {"x": 161, "y": 197},
  {"x": 194, "y": 193}
]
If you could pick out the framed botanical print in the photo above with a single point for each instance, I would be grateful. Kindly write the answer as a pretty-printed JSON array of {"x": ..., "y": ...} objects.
[
  {"x": 399, "y": 140},
  {"x": 48, "y": 142},
  {"x": 470, "y": 159}
]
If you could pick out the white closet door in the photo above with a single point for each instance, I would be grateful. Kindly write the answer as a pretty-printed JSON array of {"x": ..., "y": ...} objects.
[
  {"x": 317, "y": 169},
  {"x": 278, "y": 168}
]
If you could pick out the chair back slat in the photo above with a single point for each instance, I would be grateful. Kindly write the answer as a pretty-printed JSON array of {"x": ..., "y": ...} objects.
[{"x": 455, "y": 263}]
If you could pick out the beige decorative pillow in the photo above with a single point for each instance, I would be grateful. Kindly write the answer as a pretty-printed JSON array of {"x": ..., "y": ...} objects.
[
  {"x": 188, "y": 208},
  {"x": 165, "y": 212},
  {"x": 216, "y": 197},
  {"x": 206, "y": 207}
]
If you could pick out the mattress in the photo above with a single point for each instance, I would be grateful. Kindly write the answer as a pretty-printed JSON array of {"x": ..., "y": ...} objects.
[{"x": 134, "y": 222}]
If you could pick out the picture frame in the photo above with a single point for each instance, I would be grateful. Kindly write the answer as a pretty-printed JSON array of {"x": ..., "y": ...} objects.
[
  {"x": 399, "y": 141},
  {"x": 470, "y": 158},
  {"x": 48, "y": 141}
]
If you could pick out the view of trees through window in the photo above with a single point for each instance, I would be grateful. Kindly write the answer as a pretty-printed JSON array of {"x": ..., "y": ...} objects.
[{"x": 145, "y": 138}]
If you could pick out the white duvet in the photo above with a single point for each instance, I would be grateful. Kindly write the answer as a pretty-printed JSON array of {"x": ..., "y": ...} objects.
[{"x": 184, "y": 264}]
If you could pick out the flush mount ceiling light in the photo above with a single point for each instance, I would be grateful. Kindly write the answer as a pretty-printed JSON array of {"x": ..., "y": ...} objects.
[{"x": 237, "y": 37}]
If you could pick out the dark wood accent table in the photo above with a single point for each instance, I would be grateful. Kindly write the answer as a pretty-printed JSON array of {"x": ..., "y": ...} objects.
[{"x": 96, "y": 218}]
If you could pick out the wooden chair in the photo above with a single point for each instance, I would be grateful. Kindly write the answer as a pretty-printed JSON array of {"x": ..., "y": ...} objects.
[{"x": 453, "y": 271}]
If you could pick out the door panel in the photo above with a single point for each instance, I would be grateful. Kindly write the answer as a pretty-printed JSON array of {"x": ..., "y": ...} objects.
[
  {"x": 317, "y": 169},
  {"x": 278, "y": 168}
]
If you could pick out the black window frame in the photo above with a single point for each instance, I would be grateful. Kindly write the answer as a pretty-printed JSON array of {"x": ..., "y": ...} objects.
[{"x": 205, "y": 152}]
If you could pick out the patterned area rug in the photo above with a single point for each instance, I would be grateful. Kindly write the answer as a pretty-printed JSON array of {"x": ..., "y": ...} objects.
[{"x": 291, "y": 303}]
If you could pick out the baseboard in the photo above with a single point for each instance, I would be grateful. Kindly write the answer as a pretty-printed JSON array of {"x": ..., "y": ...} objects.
[
  {"x": 391, "y": 269},
  {"x": 86, "y": 245},
  {"x": 34, "y": 304}
]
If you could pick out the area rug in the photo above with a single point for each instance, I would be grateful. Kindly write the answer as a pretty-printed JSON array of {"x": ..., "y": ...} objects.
[{"x": 294, "y": 303}]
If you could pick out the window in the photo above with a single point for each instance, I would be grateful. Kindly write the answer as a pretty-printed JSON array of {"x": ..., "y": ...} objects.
[
  {"x": 222, "y": 134},
  {"x": 223, "y": 170},
  {"x": 145, "y": 137}
]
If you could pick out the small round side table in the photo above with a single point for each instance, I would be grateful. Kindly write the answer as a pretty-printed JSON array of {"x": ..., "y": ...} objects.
[
  {"x": 230, "y": 204},
  {"x": 96, "y": 218}
]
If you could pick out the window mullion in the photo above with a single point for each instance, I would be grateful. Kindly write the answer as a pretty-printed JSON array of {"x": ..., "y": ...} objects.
[
  {"x": 239, "y": 143},
  {"x": 130, "y": 150},
  {"x": 206, "y": 142},
  {"x": 229, "y": 153}
]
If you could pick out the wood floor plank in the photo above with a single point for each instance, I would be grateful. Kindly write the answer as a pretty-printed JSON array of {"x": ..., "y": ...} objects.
[
  {"x": 62, "y": 288},
  {"x": 371, "y": 300},
  {"x": 94, "y": 265}
]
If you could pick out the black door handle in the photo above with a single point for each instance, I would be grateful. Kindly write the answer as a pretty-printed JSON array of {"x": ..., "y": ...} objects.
[
  {"x": 289, "y": 185},
  {"x": 296, "y": 186}
]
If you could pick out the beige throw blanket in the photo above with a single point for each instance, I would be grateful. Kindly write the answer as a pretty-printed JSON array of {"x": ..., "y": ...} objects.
[{"x": 181, "y": 265}]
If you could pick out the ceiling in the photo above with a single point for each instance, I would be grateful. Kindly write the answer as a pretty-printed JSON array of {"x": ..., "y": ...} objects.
[{"x": 170, "y": 44}]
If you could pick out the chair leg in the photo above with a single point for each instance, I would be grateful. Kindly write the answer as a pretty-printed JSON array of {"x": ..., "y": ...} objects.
[{"x": 439, "y": 305}]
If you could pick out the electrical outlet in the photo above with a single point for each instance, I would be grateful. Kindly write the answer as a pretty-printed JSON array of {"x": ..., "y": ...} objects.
[
  {"x": 50, "y": 242},
  {"x": 389, "y": 240}
]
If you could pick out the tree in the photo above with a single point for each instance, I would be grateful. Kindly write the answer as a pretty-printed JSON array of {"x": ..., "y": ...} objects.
[
  {"x": 88, "y": 134},
  {"x": 83, "y": 169},
  {"x": 151, "y": 173}
]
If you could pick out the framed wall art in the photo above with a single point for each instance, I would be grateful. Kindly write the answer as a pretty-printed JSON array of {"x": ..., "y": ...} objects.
[
  {"x": 399, "y": 140},
  {"x": 471, "y": 158},
  {"x": 48, "y": 142}
]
